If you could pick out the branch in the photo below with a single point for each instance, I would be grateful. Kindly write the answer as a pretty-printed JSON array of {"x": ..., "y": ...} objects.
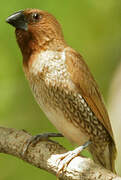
[{"x": 45, "y": 154}]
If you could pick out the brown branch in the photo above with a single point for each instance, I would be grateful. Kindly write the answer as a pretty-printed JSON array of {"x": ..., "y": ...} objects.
[{"x": 44, "y": 155}]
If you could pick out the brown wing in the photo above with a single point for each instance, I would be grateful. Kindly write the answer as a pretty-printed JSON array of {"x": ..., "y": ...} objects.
[{"x": 82, "y": 77}]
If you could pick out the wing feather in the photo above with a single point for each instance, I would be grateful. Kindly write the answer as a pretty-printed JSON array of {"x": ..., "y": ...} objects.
[{"x": 87, "y": 86}]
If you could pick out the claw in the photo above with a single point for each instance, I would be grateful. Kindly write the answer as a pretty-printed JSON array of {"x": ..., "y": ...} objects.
[
  {"x": 65, "y": 159},
  {"x": 40, "y": 137}
]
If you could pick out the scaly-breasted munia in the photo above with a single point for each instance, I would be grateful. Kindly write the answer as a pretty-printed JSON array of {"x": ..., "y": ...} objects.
[{"x": 63, "y": 85}]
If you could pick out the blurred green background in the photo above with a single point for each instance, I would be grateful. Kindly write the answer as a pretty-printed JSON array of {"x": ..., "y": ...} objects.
[{"x": 93, "y": 27}]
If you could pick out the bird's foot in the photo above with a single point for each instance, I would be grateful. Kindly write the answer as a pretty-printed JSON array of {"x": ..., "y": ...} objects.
[
  {"x": 65, "y": 159},
  {"x": 40, "y": 137}
]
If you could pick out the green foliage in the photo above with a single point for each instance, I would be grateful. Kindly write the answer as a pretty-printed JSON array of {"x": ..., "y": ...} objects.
[{"x": 90, "y": 26}]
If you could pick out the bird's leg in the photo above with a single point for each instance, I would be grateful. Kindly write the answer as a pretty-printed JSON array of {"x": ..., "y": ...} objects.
[
  {"x": 65, "y": 159},
  {"x": 39, "y": 137}
]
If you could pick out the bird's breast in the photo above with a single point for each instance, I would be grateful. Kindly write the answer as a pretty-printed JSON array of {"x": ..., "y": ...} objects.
[
  {"x": 49, "y": 67},
  {"x": 51, "y": 84}
]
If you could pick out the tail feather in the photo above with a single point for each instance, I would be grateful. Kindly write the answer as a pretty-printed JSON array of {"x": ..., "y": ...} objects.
[
  {"x": 113, "y": 153},
  {"x": 106, "y": 158}
]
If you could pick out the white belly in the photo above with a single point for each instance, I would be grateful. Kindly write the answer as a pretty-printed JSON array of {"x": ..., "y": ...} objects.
[{"x": 71, "y": 132}]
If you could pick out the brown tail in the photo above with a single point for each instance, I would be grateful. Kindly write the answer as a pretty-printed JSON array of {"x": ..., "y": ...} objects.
[
  {"x": 107, "y": 158},
  {"x": 113, "y": 153}
]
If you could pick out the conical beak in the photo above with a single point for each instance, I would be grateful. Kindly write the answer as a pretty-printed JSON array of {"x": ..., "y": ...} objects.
[{"x": 18, "y": 20}]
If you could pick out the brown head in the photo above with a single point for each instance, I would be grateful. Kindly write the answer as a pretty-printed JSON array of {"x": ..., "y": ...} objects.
[{"x": 36, "y": 30}]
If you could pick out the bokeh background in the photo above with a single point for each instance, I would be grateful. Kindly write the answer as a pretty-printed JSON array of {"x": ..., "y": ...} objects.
[{"x": 93, "y": 27}]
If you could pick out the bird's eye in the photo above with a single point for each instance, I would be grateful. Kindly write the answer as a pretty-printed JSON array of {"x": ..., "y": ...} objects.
[{"x": 36, "y": 17}]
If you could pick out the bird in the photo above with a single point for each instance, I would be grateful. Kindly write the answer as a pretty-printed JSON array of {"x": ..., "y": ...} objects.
[{"x": 63, "y": 84}]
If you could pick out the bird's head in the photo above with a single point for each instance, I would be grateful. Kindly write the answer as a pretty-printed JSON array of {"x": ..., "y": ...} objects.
[{"x": 36, "y": 30}]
